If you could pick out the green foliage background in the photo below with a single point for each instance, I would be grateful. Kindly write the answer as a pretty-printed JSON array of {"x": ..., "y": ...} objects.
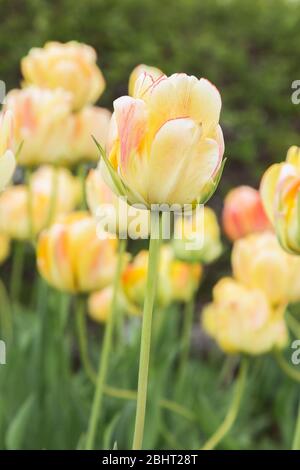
[{"x": 248, "y": 48}]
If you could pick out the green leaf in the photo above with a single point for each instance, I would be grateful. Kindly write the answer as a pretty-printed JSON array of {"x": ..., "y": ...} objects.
[{"x": 19, "y": 426}]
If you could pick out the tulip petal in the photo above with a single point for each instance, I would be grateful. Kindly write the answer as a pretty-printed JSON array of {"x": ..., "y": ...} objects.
[
  {"x": 268, "y": 188},
  {"x": 7, "y": 167}
]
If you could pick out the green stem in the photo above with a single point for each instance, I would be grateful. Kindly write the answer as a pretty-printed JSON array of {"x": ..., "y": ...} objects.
[
  {"x": 5, "y": 313},
  {"x": 232, "y": 413},
  {"x": 17, "y": 270},
  {"x": 290, "y": 371},
  {"x": 105, "y": 354},
  {"x": 153, "y": 262},
  {"x": 82, "y": 339},
  {"x": 186, "y": 336},
  {"x": 296, "y": 440}
]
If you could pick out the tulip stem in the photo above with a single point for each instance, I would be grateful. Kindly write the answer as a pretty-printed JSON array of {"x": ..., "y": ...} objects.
[
  {"x": 105, "y": 354},
  {"x": 155, "y": 239},
  {"x": 296, "y": 439},
  {"x": 232, "y": 413},
  {"x": 186, "y": 335},
  {"x": 5, "y": 313},
  {"x": 293, "y": 324},
  {"x": 82, "y": 339},
  {"x": 290, "y": 371},
  {"x": 17, "y": 270}
]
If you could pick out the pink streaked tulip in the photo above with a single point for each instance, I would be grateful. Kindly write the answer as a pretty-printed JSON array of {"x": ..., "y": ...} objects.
[
  {"x": 72, "y": 258},
  {"x": 40, "y": 118},
  {"x": 70, "y": 66},
  {"x": 165, "y": 144},
  {"x": 280, "y": 193},
  {"x": 7, "y": 158},
  {"x": 243, "y": 213},
  {"x": 137, "y": 71}
]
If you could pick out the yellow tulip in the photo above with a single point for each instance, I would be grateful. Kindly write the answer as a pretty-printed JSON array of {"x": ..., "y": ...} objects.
[
  {"x": 243, "y": 213},
  {"x": 73, "y": 258},
  {"x": 70, "y": 66},
  {"x": 90, "y": 121},
  {"x": 280, "y": 193},
  {"x": 40, "y": 124},
  {"x": 197, "y": 237},
  {"x": 100, "y": 303},
  {"x": 242, "y": 320},
  {"x": 177, "y": 281},
  {"x": 259, "y": 261},
  {"x": 165, "y": 144},
  {"x": 137, "y": 71},
  {"x": 25, "y": 212},
  {"x": 7, "y": 158},
  {"x": 112, "y": 212},
  {"x": 4, "y": 247}
]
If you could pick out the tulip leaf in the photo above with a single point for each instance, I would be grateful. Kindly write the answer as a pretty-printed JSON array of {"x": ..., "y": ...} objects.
[{"x": 19, "y": 425}]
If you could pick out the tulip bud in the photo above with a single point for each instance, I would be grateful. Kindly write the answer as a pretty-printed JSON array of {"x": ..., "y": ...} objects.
[
  {"x": 242, "y": 320},
  {"x": 72, "y": 258},
  {"x": 7, "y": 158},
  {"x": 243, "y": 213},
  {"x": 197, "y": 237},
  {"x": 70, "y": 66},
  {"x": 165, "y": 145}
]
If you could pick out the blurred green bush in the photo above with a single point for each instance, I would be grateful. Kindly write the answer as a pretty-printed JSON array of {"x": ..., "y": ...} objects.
[{"x": 248, "y": 48}]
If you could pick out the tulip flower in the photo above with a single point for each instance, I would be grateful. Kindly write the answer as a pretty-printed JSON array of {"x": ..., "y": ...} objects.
[
  {"x": 197, "y": 237},
  {"x": 100, "y": 304},
  {"x": 25, "y": 211},
  {"x": 139, "y": 70},
  {"x": 177, "y": 280},
  {"x": 259, "y": 261},
  {"x": 72, "y": 258},
  {"x": 242, "y": 320},
  {"x": 243, "y": 213},
  {"x": 165, "y": 144},
  {"x": 279, "y": 191},
  {"x": 70, "y": 66},
  {"x": 90, "y": 121},
  {"x": 40, "y": 124},
  {"x": 4, "y": 247},
  {"x": 7, "y": 158},
  {"x": 112, "y": 212}
]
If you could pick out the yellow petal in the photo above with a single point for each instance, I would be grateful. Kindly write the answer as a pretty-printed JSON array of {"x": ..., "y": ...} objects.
[{"x": 7, "y": 168}]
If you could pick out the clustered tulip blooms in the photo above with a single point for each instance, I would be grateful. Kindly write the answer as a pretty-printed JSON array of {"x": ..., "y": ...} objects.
[
  {"x": 7, "y": 158},
  {"x": 177, "y": 281},
  {"x": 165, "y": 144},
  {"x": 280, "y": 194},
  {"x": 243, "y": 213}
]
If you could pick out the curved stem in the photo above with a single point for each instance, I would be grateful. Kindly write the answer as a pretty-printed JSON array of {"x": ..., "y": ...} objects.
[
  {"x": 153, "y": 262},
  {"x": 82, "y": 339},
  {"x": 231, "y": 415},
  {"x": 105, "y": 354},
  {"x": 290, "y": 371},
  {"x": 186, "y": 335},
  {"x": 164, "y": 403},
  {"x": 296, "y": 440}
]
